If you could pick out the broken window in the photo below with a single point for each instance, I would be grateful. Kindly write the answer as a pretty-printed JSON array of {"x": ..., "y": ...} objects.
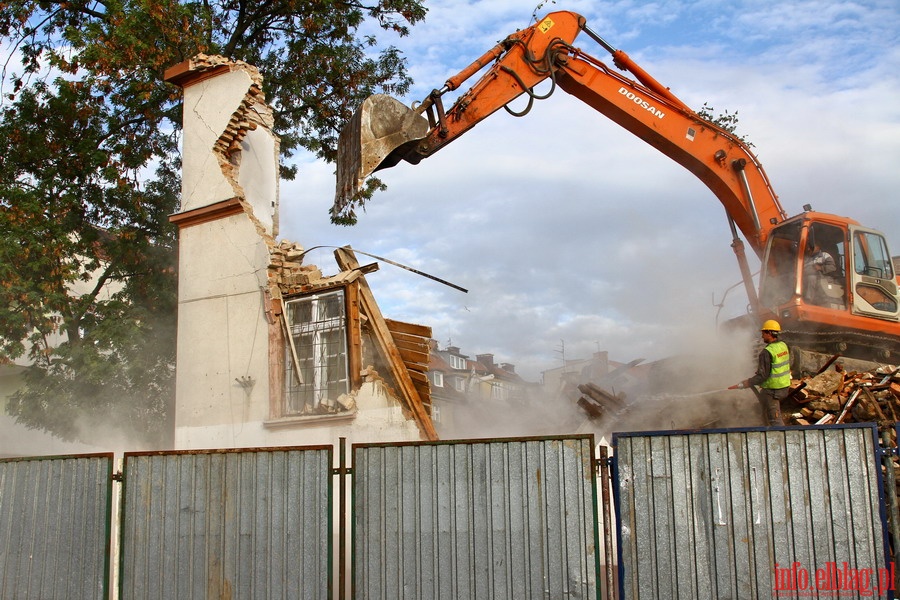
[{"x": 316, "y": 371}]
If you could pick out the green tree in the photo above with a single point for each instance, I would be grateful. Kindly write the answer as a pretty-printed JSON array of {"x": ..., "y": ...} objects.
[{"x": 90, "y": 176}]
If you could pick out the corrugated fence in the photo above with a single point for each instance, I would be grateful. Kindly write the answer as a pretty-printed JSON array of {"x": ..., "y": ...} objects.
[
  {"x": 54, "y": 527},
  {"x": 786, "y": 513},
  {"x": 503, "y": 519},
  {"x": 227, "y": 524},
  {"x": 756, "y": 513}
]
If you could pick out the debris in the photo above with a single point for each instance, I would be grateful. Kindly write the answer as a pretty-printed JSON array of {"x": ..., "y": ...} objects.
[
  {"x": 840, "y": 396},
  {"x": 825, "y": 383},
  {"x": 596, "y": 401}
]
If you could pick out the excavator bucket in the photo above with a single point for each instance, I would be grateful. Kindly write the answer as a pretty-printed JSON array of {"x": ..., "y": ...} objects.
[{"x": 374, "y": 138}]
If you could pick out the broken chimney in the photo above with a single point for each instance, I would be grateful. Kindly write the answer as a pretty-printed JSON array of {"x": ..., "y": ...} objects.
[{"x": 229, "y": 153}]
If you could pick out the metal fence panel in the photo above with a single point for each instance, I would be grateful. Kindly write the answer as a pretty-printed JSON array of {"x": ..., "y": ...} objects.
[
  {"x": 787, "y": 513},
  {"x": 227, "y": 524},
  {"x": 54, "y": 527},
  {"x": 475, "y": 519}
]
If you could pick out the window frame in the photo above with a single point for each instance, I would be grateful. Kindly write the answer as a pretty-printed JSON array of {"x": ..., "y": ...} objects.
[{"x": 280, "y": 354}]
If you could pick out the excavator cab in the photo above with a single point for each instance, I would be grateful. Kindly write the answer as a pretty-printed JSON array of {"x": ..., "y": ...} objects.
[{"x": 818, "y": 271}]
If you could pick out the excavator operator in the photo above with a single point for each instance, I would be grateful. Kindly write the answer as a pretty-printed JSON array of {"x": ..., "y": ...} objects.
[
  {"x": 773, "y": 374},
  {"x": 819, "y": 272}
]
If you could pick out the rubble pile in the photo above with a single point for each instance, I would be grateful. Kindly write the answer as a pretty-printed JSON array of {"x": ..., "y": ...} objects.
[
  {"x": 597, "y": 402},
  {"x": 838, "y": 396}
]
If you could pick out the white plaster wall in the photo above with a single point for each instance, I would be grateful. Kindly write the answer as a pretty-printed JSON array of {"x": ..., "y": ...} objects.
[
  {"x": 222, "y": 328},
  {"x": 259, "y": 176},
  {"x": 379, "y": 419},
  {"x": 223, "y": 337},
  {"x": 208, "y": 106},
  {"x": 222, "y": 257}
]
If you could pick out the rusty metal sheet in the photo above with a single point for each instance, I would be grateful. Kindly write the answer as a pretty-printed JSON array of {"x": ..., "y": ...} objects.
[
  {"x": 512, "y": 518},
  {"x": 54, "y": 527},
  {"x": 751, "y": 513},
  {"x": 227, "y": 524}
]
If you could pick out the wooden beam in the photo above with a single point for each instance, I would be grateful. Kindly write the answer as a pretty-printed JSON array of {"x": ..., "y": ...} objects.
[
  {"x": 354, "y": 354},
  {"x": 417, "y": 368},
  {"x": 346, "y": 260},
  {"x": 418, "y": 377},
  {"x": 415, "y": 346}
]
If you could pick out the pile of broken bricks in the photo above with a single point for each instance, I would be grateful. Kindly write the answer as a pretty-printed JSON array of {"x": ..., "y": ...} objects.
[{"x": 837, "y": 396}]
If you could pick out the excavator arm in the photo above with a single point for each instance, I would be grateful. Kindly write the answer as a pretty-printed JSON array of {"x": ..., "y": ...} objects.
[
  {"x": 856, "y": 311},
  {"x": 383, "y": 131}
]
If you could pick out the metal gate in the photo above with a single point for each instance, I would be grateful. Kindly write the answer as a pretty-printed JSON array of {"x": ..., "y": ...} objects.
[{"x": 756, "y": 513}]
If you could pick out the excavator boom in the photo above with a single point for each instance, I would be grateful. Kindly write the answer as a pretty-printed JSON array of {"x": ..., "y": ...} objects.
[{"x": 383, "y": 132}]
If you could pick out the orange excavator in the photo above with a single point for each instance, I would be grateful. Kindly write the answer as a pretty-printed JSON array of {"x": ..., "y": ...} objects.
[{"x": 830, "y": 281}]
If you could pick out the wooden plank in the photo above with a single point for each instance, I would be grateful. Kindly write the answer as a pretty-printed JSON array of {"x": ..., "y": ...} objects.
[
  {"x": 411, "y": 356},
  {"x": 418, "y": 346},
  {"x": 417, "y": 368},
  {"x": 424, "y": 393},
  {"x": 418, "y": 377},
  {"x": 354, "y": 351},
  {"x": 276, "y": 367},
  {"x": 346, "y": 260},
  {"x": 411, "y": 328},
  {"x": 401, "y": 337},
  {"x": 601, "y": 396}
]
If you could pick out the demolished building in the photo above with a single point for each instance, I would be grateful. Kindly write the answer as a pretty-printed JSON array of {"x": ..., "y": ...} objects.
[{"x": 270, "y": 350}]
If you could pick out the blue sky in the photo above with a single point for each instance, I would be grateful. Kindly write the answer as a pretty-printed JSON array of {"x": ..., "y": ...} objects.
[{"x": 568, "y": 230}]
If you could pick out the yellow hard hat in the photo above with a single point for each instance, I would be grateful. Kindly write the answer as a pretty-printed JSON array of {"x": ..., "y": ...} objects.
[{"x": 770, "y": 325}]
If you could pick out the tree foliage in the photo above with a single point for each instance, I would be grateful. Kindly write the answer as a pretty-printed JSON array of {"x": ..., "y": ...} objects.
[{"x": 90, "y": 175}]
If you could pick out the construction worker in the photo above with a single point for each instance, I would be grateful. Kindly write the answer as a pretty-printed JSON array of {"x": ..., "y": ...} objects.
[{"x": 773, "y": 374}]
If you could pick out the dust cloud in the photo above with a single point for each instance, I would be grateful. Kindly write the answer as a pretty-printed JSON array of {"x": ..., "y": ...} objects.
[
  {"x": 17, "y": 440},
  {"x": 675, "y": 393}
]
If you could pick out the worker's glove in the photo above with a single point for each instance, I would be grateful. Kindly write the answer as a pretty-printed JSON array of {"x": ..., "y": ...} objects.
[{"x": 737, "y": 386}]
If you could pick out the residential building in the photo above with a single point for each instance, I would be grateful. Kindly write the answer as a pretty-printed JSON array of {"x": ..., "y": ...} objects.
[{"x": 469, "y": 396}]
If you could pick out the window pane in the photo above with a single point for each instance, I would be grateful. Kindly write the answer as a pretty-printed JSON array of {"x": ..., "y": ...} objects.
[
  {"x": 779, "y": 276},
  {"x": 318, "y": 329},
  {"x": 823, "y": 266},
  {"x": 871, "y": 257}
]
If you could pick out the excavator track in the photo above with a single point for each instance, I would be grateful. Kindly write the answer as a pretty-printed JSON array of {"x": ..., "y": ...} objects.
[{"x": 851, "y": 344}]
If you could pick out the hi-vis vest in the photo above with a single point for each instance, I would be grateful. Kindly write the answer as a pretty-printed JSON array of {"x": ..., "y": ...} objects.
[{"x": 780, "y": 375}]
